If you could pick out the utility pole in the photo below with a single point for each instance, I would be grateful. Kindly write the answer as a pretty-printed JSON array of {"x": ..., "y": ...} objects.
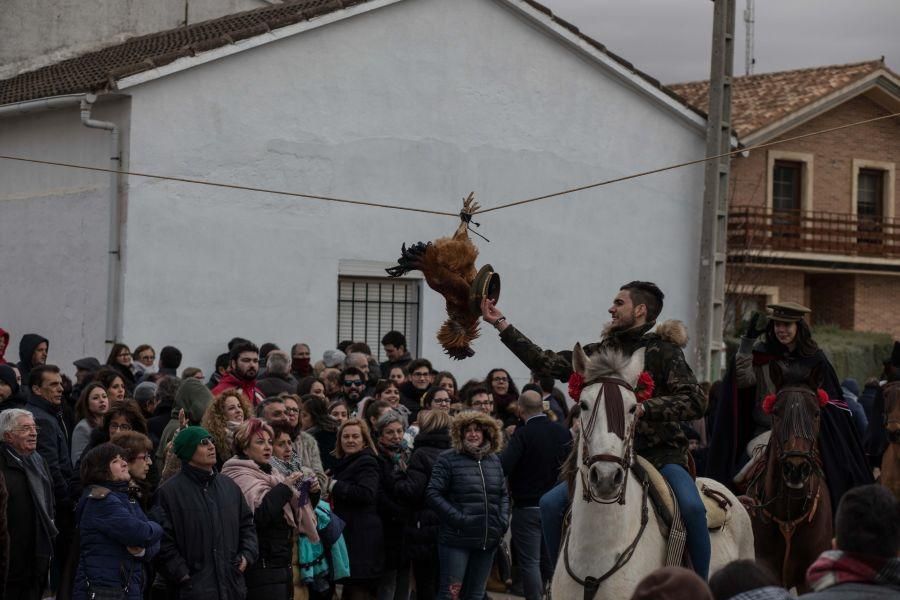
[
  {"x": 711, "y": 279},
  {"x": 749, "y": 20}
]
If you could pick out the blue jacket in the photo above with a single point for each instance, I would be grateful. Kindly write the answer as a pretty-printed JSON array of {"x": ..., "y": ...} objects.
[
  {"x": 469, "y": 494},
  {"x": 109, "y": 522}
]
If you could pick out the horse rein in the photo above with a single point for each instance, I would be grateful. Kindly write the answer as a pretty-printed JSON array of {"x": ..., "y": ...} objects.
[
  {"x": 588, "y": 459},
  {"x": 787, "y": 527}
]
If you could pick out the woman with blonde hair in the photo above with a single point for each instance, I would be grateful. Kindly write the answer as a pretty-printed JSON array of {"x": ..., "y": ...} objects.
[
  {"x": 223, "y": 416},
  {"x": 354, "y": 495}
]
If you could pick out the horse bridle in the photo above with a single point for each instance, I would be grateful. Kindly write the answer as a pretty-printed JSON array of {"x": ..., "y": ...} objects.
[
  {"x": 811, "y": 457},
  {"x": 609, "y": 392}
]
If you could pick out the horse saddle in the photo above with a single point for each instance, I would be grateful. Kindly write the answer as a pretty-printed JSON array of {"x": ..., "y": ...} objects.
[{"x": 663, "y": 499}]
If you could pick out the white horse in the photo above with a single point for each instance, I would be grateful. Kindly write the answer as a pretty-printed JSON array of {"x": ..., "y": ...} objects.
[{"x": 606, "y": 539}]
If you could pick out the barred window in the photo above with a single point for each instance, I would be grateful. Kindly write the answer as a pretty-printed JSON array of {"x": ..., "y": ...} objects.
[{"x": 370, "y": 307}]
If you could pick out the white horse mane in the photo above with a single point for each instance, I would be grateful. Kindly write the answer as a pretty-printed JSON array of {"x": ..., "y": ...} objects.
[{"x": 608, "y": 362}]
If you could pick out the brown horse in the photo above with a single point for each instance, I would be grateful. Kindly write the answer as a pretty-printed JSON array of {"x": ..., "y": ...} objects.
[
  {"x": 789, "y": 503},
  {"x": 890, "y": 461}
]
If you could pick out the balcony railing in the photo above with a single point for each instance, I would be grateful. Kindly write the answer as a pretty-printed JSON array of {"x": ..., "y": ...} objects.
[{"x": 754, "y": 228}]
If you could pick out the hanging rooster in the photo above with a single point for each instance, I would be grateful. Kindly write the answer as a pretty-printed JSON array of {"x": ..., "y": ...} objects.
[{"x": 448, "y": 264}]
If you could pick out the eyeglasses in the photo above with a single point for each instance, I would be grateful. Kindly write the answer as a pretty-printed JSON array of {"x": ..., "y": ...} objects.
[
  {"x": 421, "y": 374},
  {"x": 354, "y": 383},
  {"x": 144, "y": 457},
  {"x": 117, "y": 427},
  {"x": 207, "y": 441},
  {"x": 500, "y": 379},
  {"x": 441, "y": 401},
  {"x": 27, "y": 429},
  {"x": 483, "y": 403},
  {"x": 292, "y": 411},
  {"x": 124, "y": 354}
]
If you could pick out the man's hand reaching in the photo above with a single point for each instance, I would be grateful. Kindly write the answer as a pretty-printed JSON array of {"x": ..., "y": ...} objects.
[{"x": 492, "y": 315}]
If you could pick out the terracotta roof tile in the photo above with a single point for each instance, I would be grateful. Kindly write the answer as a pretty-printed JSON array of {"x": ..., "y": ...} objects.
[
  {"x": 98, "y": 70},
  {"x": 759, "y": 100}
]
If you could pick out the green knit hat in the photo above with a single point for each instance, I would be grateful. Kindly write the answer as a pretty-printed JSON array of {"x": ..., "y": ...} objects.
[{"x": 186, "y": 442}]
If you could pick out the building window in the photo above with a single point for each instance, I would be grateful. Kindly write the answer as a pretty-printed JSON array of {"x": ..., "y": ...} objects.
[
  {"x": 368, "y": 308},
  {"x": 787, "y": 183},
  {"x": 870, "y": 206},
  {"x": 870, "y": 194}
]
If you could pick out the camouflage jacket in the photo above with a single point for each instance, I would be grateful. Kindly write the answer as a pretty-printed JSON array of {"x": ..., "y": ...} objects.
[{"x": 678, "y": 396}]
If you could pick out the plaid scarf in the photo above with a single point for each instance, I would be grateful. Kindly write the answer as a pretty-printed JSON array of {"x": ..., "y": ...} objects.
[{"x": 835, "y": 567}]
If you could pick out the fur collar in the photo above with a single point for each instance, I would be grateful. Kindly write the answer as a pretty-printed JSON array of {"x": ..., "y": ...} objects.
[
  {"x": 488, "y": 424},
  {"x": 673, "y": 331}
]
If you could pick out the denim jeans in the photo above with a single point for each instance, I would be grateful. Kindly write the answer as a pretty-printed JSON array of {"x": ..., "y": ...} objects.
[
  {"x": 464, "y": 572},
  {"x": 553, "y": 510},
  {"x": 526, "y": 538},
  {"x": 693, "y": 513}
]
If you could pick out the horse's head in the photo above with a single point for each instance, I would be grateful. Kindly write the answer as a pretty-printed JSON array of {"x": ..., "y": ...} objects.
[
  {"x": 892, "y": 411},
  {"x": 607, "y": 421},
  {"x": 795, "y": 422}
]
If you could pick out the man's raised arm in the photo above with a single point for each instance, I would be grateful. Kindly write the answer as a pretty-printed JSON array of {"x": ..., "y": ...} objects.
[{"x": 540, "y": 361}]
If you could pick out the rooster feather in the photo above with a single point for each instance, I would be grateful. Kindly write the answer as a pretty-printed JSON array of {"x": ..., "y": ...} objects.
[{"x": 448, "y": 264}]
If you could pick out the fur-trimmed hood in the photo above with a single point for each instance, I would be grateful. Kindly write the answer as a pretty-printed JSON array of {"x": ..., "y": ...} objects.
[
  {"x": 489, "y": 426},
  {"x": 673, "y": 331}
]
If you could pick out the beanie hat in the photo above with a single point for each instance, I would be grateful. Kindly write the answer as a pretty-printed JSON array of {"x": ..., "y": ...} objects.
[
  {"x": 8, "y": 376},
  {"x": 187, "y": 440},
  {"x": 194, "y": 397},
  {"x": 672, "y": 583},
  {"x": 145, "y": 392}
]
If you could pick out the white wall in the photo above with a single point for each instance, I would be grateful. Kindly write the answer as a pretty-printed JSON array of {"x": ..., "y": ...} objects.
[
  {"x": 39, "y": 32},
  {"x": 54, "y": 232},
  {"x": 415, "y": 104}
]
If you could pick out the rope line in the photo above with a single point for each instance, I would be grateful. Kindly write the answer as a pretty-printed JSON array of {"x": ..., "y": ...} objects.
[
  {"x": 229, "y": 186},
  {"x": 439, "y": 212},
  {"x": 684, "y": 164}
]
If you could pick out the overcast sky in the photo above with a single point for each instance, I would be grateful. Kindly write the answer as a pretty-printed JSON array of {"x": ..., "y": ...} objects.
[{"x": 670, "y": 39}]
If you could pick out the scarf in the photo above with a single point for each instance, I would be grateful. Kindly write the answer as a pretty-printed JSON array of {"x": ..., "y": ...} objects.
[
  {"x": 39, "y": 484},
  {"x": 834, "y": 567},
  {"x": 398, "y": 454},
  {"x": 477, "y": 452},
  {"x": 256, "y": 483}
]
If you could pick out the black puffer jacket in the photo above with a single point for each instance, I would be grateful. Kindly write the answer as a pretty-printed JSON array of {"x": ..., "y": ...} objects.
[
  {"x": 207, "y": 528},
  {"x": 469, "y": 494},
  {"x": 421, "y": 531}
]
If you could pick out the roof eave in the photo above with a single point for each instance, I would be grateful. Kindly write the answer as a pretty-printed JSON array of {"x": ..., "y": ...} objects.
[
  {"x": 581, "y": 44},
  {"x": 187, "y": 62},
  {"x": 882, "y": 79}
]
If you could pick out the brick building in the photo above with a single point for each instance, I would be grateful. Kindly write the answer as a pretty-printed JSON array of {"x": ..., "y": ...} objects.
[{"x": 815, "y": 220}]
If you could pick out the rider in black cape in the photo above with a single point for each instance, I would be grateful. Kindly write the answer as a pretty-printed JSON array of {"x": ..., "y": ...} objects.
[{"x": 740, "y": 416}]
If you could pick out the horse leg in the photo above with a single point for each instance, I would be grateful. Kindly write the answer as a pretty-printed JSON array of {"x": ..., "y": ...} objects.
[{"x": 769, "y": 546}]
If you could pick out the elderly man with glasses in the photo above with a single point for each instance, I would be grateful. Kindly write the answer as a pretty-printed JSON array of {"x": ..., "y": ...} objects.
[
  {"x": 209, "y": 537},
  {"x": 29, "y": 506}
]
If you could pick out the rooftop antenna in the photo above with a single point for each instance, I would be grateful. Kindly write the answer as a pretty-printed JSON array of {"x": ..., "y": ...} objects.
[{"x": 749, "y": 59}]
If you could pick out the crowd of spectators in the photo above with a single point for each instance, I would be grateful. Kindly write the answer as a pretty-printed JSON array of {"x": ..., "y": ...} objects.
[{"x": 283, "y": 477}]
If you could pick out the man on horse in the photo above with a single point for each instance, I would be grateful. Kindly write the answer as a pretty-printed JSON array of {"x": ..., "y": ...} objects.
[{"x": 677, "y": 396}]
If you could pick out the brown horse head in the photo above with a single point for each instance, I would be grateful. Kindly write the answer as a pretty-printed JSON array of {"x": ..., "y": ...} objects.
[
  {"x": 795, "y": 422},
  {"x": 892, "y": 411}
]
